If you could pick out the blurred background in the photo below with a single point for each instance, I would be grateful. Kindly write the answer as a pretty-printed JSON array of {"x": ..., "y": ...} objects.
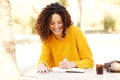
[{"x": 20, "y": 45}]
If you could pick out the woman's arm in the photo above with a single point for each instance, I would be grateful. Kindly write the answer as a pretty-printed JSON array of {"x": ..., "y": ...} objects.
[
  {"x": 84, "y": 51},
  {"x": 46, "y": 56}
]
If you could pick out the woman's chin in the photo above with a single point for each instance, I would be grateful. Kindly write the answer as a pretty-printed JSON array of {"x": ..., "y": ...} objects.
[{"x": 58, "y": 33}]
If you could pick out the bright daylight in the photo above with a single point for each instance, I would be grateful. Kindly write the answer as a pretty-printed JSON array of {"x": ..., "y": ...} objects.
[{"x": 21, "y": 44}]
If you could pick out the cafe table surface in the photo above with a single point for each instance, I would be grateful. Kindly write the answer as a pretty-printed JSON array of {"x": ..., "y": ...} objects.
[{"x": 89, "y": 74}]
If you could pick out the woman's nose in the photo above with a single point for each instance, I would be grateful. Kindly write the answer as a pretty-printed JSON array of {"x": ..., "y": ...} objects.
[{"x": 56, "y": 25}]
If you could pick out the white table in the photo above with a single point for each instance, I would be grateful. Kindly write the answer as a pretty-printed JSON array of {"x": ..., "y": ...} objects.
[{"x": 89, "y": 74}]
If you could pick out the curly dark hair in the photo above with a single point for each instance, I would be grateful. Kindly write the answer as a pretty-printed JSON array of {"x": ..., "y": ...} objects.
[{"x": 44, "y": 18}]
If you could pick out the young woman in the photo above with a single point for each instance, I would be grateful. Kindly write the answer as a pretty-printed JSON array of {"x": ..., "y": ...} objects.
[{"x": 63, "y": 44}]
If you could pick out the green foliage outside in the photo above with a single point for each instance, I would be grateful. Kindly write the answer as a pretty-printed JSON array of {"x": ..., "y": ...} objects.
[
  {"x": 27, "y": 23},
  {"x": 32, "y": 23},
  {"x": 63, "y": 2},
  {"x": 109, "y": 23}
]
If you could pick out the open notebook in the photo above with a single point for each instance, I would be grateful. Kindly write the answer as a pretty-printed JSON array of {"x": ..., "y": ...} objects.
[{"x": 70, "y": 70}]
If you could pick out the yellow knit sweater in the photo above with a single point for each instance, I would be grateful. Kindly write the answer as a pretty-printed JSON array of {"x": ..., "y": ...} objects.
[{"x": 74, "y": 47}]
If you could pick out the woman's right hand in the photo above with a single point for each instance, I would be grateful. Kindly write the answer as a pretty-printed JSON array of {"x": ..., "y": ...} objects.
[{"x": 43, "y": 69}]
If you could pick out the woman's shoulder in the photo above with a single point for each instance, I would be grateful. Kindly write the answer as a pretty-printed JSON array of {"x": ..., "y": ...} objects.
[{"x": 74, "y": 28}]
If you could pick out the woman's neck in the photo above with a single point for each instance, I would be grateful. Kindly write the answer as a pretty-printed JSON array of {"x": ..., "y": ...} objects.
[{"x": 59, "y": 37}]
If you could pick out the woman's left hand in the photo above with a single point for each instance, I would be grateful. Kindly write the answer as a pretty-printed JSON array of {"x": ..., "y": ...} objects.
[{"x": 65, "y": 64}]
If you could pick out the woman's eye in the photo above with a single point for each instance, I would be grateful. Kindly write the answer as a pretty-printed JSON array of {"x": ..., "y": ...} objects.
[
  {"x": 51, "y": 23},
  {"x": 60, "y": 22}
]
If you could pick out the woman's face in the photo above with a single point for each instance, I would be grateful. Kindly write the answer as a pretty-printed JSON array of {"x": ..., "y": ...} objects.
[{"x": 56, "y": 24}]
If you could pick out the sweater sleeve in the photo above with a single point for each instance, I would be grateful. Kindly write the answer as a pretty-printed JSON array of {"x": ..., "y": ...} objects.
[
  {"x": 86, "y": 58},
  {"x": 46, "y": 56}
]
